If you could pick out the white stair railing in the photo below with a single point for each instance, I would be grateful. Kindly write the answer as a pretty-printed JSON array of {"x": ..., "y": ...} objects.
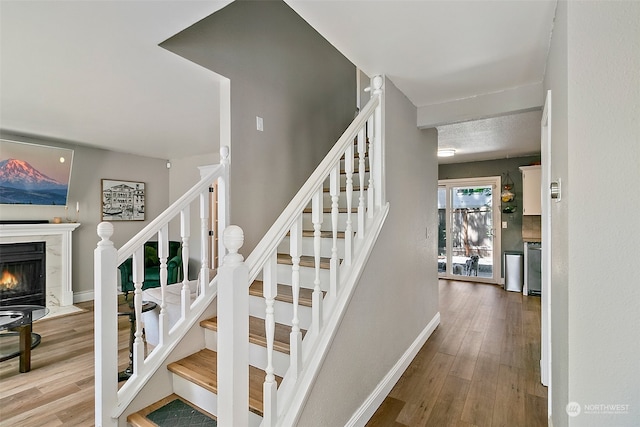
[
  {"x": 282, "y": 405},
  {"x": 111, "y": 401}
]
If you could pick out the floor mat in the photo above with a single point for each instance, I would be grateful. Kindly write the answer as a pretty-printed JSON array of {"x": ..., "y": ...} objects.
[{"x": 177, "y": 414}]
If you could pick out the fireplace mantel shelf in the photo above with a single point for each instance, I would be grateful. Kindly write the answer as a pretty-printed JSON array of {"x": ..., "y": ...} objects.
[{"x": 11, "y": 230}]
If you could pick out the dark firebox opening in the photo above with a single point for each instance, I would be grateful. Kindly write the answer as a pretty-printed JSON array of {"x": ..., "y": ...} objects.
[{"x": 22, "y": 274}]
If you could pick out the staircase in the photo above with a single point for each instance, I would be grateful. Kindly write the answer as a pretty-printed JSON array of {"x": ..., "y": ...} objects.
[{"x": 287, "y": 299}]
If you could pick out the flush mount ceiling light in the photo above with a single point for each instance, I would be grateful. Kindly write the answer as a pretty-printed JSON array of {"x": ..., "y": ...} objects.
[{"x": 446, "y": 152}]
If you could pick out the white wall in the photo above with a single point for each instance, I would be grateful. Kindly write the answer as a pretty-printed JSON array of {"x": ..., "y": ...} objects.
[
  {"x": 595, "y": 338},
  {"x": 604, "y": 158},
  {"x": 90, "y": 165},
  {"x": 398, "y": 293}
]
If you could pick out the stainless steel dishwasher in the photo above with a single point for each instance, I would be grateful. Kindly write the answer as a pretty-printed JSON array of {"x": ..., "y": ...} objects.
[{"x": 534, "y": 268}]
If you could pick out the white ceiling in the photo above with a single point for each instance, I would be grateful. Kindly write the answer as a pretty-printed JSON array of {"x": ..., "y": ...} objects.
[
  {"x": 92, "y": 73},
  {"x": 514, "y": 135}
]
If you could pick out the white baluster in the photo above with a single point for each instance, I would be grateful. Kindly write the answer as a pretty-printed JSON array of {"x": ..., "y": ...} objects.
[
  {"x": 233, "y": 330},
  {"x": 105, "y": 327},
  {"x": 163, "y": 252},
  {"x": 316, "y": 218},
  {"x": 204, "y": 242},
  {"x": 185, "y": 232},
  {"x": 269, "y": 388},
  {"x": 295, "y": 340},
  {"x": 334, "y": 191},
  {"x": 361, "y": 169},
  {"x": 137, "y": 275},
  {"x": 370, "y": 188},
  {"x": 348, "y": 234}
]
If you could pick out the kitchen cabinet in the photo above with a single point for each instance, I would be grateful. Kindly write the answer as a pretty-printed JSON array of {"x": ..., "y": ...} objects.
[{"x": 531, "y": 201}]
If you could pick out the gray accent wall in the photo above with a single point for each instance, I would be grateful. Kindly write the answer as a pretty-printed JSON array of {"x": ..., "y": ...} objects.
[
  {"x": 282, "y": 70},
  {"x": 512, "y": 235},
  {"x": 90, "y": 166},
  {"x": 397, "y": 295}
]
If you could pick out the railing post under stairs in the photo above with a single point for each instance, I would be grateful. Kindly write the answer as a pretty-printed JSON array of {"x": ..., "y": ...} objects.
[
  {"x": 233, "y": 332},
  {"x": 106, "y": 327}
]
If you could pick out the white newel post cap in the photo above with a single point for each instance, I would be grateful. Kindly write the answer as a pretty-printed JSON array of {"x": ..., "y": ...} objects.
[
  {"x": 233, "y": 238},
  {"x": 224, "y": 154},
  {"x": 377, "y": 82},
  {"x": 105, "y": 231}
]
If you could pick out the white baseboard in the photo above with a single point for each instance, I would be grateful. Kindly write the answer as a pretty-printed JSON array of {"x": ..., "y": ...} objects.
[
  {"x": 375, "y": 399},
  {"x": 82, "y": 296}
]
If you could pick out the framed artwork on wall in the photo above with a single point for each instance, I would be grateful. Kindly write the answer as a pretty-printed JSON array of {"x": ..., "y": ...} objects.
[
  {"x": 122, "y": 200},
  {"x": 32, "y": 174}
]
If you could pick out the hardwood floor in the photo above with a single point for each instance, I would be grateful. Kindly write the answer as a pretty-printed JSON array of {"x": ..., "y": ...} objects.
[
  {"x": 59, "y": 389},
  {"x": 479, "y": 368}
]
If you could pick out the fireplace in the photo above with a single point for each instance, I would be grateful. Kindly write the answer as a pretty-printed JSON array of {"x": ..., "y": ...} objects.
[{"x": 22, "y": 274}]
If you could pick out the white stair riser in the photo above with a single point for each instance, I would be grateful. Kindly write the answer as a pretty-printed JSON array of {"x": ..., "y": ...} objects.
[
  {"x": 204, "y": 398},
  {"x": 326, "y": 243},
  {"x": 342, "y": 199},
  {"x": 307, "y": 276},
  {"x": 355, "y": 179},
  {"x": 257, "y": 354},
  {"x": 283, "y": 312},
  {"x": 307, "y": 224}
]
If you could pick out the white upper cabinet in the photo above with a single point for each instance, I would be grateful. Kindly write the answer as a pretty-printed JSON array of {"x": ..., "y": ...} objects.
[{"x": 531, "y": 201}]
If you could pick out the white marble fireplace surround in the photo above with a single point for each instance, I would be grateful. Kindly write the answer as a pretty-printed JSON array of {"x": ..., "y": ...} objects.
[{"x": 57, "y": 238}]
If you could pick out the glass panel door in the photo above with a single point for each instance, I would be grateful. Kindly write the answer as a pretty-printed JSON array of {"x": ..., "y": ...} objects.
[
  {"x": 468, "y": 241},
  {"x": 472, "y": 231},
  {"x": 442, "y": 230}
]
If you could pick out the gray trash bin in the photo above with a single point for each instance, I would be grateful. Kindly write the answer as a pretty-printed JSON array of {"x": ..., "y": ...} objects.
[{"x": 513, "y": 271}]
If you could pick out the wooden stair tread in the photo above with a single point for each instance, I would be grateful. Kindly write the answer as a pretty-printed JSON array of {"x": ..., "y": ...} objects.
[
  {"x": 139, "y": 419},
  {"x": 257, "y": 333},
  {"x": 323, "y": 234},
  {"x": 201, "y": 367},
  {"x": 305, "y": 261},
  {"x": 354, "y": 209},
  {"x": 342, "y": 189},
  {"x": 343, "y": 171},
  {"x": 285, "y": 293}
]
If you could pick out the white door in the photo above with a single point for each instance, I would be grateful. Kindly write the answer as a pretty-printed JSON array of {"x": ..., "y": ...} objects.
[{"x": 545, "y": 321}]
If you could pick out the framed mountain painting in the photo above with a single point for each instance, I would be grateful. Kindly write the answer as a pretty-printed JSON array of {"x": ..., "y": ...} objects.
[{"x": 33, "y": 174}]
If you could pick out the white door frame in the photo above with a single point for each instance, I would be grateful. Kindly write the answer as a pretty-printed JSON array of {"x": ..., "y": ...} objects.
[
  {"x": 495, "y": 182},
  {"x": 545, "y": 320}
]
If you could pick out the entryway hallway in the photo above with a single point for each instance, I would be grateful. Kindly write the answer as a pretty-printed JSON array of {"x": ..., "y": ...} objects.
[{"x": 480, "y": 367}]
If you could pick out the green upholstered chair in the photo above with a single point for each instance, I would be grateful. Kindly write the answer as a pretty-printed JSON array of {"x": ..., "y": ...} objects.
[{"x": 152, "y": 267}]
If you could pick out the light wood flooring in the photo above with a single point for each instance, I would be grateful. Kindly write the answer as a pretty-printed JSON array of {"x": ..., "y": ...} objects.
[
  {"x": 479, "y": 368},
  {"x": 59, "y": 389}
]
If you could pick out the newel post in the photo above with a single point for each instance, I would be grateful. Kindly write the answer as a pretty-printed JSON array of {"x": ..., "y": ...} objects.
[
  {"x": 223, "y": 200},
  {"x": 378, "y": 167},
  {"x": 233, "y": 333},
  {"x": 106, "y": 326}
]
